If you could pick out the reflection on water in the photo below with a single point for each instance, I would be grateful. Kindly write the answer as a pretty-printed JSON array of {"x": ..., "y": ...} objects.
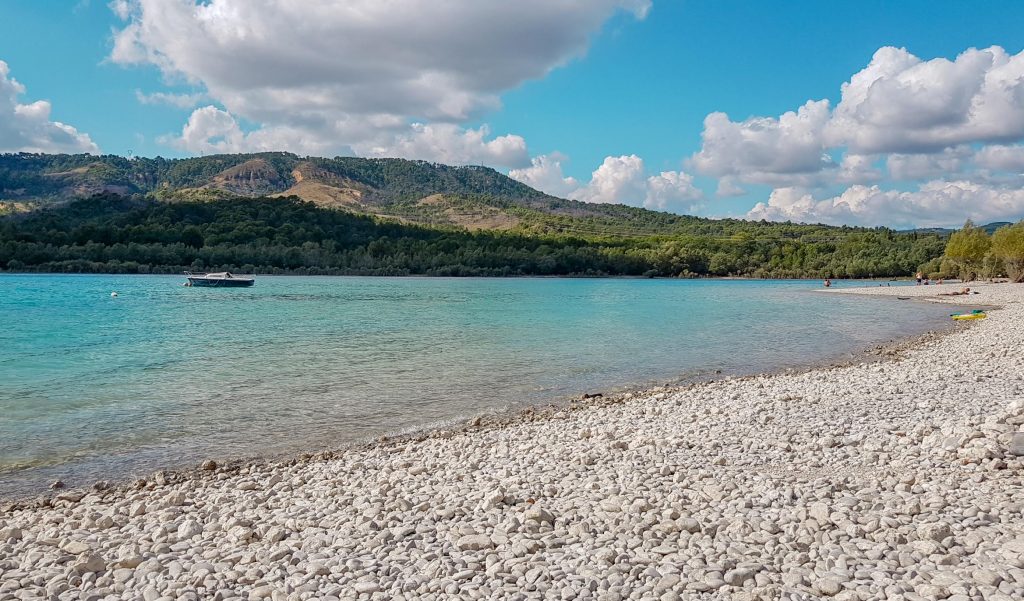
[{"x": 93, "y": 386}]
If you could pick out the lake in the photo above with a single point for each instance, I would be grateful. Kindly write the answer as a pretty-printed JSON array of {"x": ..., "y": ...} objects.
[{"x": 94, "y": 386}]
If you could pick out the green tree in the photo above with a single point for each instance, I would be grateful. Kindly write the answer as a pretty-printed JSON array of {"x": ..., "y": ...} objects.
[
  {"x": 967, "y": 249},
  {"x": 1008, "y": 246}
]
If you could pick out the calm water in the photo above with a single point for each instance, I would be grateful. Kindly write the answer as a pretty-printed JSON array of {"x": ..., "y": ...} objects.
[{"x": 96, "y": 387}]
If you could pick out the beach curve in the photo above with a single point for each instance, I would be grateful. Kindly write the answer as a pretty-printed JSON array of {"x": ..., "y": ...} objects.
[{"x": 866, "y": 481}]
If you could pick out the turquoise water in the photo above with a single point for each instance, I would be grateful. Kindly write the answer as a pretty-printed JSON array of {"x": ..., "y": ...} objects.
[{"x": 93, "y": 386}]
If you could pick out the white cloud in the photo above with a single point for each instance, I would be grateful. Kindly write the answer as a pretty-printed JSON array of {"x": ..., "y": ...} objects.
[
  {"x": 356, "y": 73},
  {"x": 28, "y": 127},
  {"x": 933, "y": 204},
  {"x": 545, "y": 174},
  {"x": 900, "y": 103},
  {"x": 620, "y": 180},
  {"x": 212, "y": 130},
  {"x": 765, "y": 150},
  {"x": 182, "y": 101},
  {"x": 857, "y": 169},
  {"x": 450, "y": 144},
  {"x": 947, "y": 163},
  {"x": 1002, "y": 158},
  {"x": 727, "y": 187},
  {"x": 949, "y": 123},
  {"x": 670, "y": 189}
]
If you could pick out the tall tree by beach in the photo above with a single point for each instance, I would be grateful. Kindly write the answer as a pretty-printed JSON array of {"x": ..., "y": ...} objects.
[
  {"x": 967, "y": 249},
  {"x": 1008, "y": 247}
]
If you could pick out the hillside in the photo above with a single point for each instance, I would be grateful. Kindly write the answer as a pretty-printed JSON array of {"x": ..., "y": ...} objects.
[
  {"x": 410, "y": 191},
  {"x": 988, "y": 228},
  {"x": 114, "y": 233},
  {"x": 414, "y": 192}
]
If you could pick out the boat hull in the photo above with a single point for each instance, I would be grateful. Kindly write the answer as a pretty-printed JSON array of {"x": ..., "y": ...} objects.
[{"x": 220, "y": 283}]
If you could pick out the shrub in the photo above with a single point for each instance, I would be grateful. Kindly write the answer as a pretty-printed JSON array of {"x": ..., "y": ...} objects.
[{"x": 1008, "y": 246}]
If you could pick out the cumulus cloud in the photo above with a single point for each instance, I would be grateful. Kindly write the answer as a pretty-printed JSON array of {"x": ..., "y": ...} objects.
[
  {"x": 922, "y": 117},
  {"x": 357, "y": 73},
  {"x": 28, "y": 127},
  {"x": 453, "y": 145},
  {"x": 765, "y": 150},
  {"x": 619, "y": 179},
  {"x": 949, "y": 162},
  {"x": 670, "y": 189},
  {"x": 1001, "y": 158},
  {"x": 545, "y": 174},
  {"x": 952, "y": 124},
  {"x": 900, "y": 103},
  {"x": 212, "y": 130},
  {"x": 933, "y": 204}
]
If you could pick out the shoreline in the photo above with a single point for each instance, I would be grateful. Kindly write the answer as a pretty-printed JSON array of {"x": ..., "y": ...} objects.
[
  {"x": 122, "y": 487},
  {"x": 862, "y": 480},
  {"x": 468, "y": 277},
  {"x": 126, "y": 484}
]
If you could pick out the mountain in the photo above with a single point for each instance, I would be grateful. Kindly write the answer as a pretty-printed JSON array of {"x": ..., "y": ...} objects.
[
  {"x": 472, "y": 197},
  {"x": 989, "y": 228},
  {"x": 412, "y": 192}
]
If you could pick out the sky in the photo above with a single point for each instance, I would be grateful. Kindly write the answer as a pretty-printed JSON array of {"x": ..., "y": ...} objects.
[{"x": 904, "y": 114}]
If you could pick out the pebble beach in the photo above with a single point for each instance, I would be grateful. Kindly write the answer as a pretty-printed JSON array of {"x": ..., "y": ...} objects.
[{"x": 900, "y": 477}]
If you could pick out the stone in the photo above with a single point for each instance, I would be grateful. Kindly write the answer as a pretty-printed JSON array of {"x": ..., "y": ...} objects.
[
  {"x": 91, "y": 563},
  {"x": 188, "y": 529},
  {"x": 1016, "y": 446},
  {"x": 987, "y": 577},
  {"x": 539, "y": 514},
  {"x": 828, "y": 586},
  {"x": 7, "y": 534},
  {"x": 76, "y": 547},
  {"x": 474, "y": 542},
  {"x": 937, "y": 531},
  {"x": 209, "y": 465},
  {"x": 819, "y": 512},
  {"x": 738, "y": 576}
]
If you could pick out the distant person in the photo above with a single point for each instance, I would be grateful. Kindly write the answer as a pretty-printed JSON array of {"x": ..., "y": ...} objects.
[
  {"x": 926, "y": 282},
  {"x": 828, "y": 283},
  {"x": 919, "y": 278},
  {"x": 962, "y": 292}
]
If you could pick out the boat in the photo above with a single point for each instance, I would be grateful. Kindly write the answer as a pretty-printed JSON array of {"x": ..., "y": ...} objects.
[{"x": 222, "y": 279}]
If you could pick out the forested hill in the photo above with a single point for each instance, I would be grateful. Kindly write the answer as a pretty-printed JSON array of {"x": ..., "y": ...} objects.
[
  {"x": 114, "y": 233},
  {"x": 472, "y": 197},
  {"x": 414, "y": 192}
]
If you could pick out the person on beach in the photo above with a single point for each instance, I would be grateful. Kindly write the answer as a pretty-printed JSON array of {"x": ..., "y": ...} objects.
[
  {"x": 918, "y": 276},
  {"x": 828, "y": 283},
  {"x": 961, "y": 293}
]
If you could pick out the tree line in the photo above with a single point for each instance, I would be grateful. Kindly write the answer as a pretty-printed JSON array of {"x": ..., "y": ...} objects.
[
  {"x": 111, "y": 233},
  {"x": 971, "y": 253}
]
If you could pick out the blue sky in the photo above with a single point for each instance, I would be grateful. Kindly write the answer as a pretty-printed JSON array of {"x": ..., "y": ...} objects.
[{"x": 603, "y": 100}]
